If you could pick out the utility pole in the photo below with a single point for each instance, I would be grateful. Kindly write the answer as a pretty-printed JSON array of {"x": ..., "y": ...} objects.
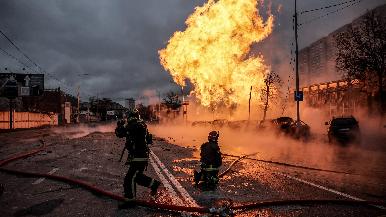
[
  {"x": 159, "y": 106},
  {"x": 78, "y": 96},
  {"x": 97, "y": 106},
  {"x": 11, "y": 93},
  {"x": 297, "y": 66},
  {"x": 249, "y": 105}
]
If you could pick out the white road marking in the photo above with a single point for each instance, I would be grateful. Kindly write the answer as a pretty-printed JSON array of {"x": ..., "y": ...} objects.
[
  {"x": 178, "y": 186},
  {"x": 42, "y": 179},
  {"x": 166, "y": 184},
  {"x": 326, "y": 189}
]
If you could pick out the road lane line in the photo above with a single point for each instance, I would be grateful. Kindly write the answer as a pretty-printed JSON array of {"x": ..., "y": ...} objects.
[
  {"x": 166, "y": 184},
  {"x": 42, "y": 179},
  {"x": 326, "y": 189},
  {"x": 178, "y": 186}
]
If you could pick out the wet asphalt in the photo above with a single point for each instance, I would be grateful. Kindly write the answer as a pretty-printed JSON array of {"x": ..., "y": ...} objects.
[{"x": 93, "y": 158}]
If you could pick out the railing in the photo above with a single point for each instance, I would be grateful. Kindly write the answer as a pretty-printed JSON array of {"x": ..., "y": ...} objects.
[{"x": 27, "y": 120}]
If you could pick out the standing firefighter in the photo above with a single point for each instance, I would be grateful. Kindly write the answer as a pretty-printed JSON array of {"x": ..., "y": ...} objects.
[
  {"x": 137, "y": 140},
  {"x": 210, "y": 162}
]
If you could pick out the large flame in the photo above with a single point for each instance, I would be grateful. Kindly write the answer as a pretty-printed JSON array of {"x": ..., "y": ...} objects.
[{"x": 214, "y": 52}]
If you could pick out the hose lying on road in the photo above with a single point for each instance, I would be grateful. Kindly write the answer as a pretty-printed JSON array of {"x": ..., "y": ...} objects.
[
  {"x": 23, "y": 154},
  {"x": 98, "y": 191},
  {"x": 169, "y": 207},
  {"x": 289, "y": 165},
  {"x": 233, "y": 163}
]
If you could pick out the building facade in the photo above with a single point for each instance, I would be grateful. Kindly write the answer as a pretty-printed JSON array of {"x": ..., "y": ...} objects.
[{"x": 317, "y": 62}]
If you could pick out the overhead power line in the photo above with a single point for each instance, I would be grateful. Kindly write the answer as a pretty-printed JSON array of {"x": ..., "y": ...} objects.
[
  {"x": 25, "y": 65},
  {"x": 28, "y": 58},
  {"x": 17, "y": 48},
  {"x": 65, "y": 85},
  {"x": 326, "y": 7},
  {"x": 15, "y": 58},
  {"x": 329, "y": 13}
]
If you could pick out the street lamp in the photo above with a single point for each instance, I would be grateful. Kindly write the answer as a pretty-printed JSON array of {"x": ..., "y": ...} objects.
[
  {"x": 78, "y": 97},
  {"x": 297, "y": 93}
]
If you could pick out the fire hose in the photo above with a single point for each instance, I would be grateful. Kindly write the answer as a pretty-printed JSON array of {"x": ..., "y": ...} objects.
[
  {"x": 288, "y": 165},
  {"x": 233, "y": 163},
  {"x": 223, "y": 211}
]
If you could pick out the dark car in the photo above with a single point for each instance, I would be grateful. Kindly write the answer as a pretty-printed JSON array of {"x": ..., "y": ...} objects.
[
  {"x": 283, "y": 124},
  {"x": 301, "y": 130},
  {"x": 290, "y": 127},
  {"x": 343, "y": 130}
]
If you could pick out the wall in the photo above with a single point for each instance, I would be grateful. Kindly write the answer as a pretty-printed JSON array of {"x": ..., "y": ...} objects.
[{"x": 27, "y": 120}]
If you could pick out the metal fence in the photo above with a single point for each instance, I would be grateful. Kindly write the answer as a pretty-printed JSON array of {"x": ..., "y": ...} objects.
[{"x": 27, "y": 119}]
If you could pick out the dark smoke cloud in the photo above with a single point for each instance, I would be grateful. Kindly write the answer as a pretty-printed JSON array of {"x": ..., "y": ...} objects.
[{"x": 116, "y": 42}]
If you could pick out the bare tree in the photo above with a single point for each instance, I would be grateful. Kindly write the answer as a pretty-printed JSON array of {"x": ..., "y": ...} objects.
[
  {"x": 271, "y": 80},
  {"x": 361, "y": 53}
]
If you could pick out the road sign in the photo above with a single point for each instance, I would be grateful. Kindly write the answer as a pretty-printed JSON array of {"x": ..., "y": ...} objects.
[
  {"x": 24, "y": 91},
  {"x": 298, "y": 96},
  {"x": 26, "y": 84}
]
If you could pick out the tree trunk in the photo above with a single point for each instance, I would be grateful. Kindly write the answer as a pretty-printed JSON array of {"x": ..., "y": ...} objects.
[{"x": 266, "y": 104}]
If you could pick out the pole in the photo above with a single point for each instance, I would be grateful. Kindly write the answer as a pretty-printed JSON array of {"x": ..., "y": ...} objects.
[
  {"x": 249, "y": 105},
  {"x": 97, "y": 106},
  {"x": 297, "y": 65},
  {"x": 182, "y": 93},
  {"x": 11, "y": 114},
  {"x": 159, "y": 106},
  {"x": 78, "y": 95}
]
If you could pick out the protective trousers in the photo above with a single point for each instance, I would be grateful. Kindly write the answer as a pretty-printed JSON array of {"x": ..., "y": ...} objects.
[
  {"x": 209, "y": 176},
  {"x": 135, "y": 176}
]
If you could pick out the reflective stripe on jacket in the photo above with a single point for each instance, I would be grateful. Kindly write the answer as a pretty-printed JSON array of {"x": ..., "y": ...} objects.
[
  {"x": 209, "y": 168},
  {"x": 137, "y": 159}
]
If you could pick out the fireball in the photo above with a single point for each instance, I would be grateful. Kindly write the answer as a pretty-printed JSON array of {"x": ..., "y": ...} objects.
[{"x": 213, "y": 52}]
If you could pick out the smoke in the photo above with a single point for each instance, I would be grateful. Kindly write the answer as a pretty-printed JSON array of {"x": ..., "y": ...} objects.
[
  {"x": 82, "y": 130},
  {"x": 367, "y": 158}
]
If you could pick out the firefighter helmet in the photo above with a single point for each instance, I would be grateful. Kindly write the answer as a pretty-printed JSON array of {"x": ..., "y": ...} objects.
[
  {"x": 213, "y": 136},
  {"x": 133, "y": 113}
]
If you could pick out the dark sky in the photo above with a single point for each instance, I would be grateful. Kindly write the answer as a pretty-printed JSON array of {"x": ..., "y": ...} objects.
[{"x": 115, "y": 42}]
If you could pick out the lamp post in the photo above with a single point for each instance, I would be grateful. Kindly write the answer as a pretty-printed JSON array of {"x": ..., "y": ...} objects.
[
  {"x": 297, "y": 66},
  {"x": 78, "y": 97}
]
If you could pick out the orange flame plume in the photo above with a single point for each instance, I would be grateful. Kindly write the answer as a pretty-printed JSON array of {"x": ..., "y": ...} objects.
[{"x": 214, "y": 52}]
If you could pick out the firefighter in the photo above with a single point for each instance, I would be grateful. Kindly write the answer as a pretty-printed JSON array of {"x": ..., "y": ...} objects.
[
  {"x": 137, "y": 140},
  {"x": 210, "y": 162}
]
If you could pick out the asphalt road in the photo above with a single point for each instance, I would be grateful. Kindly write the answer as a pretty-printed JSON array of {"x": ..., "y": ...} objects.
[{"x": 91, "y": 154}]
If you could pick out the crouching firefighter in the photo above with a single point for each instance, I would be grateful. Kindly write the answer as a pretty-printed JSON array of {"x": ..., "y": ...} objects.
[
  {"x": 137, "y": 140},
  {"x": 210, "y": 163}
]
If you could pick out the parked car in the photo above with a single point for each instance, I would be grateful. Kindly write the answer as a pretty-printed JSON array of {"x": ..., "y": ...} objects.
[
  {"x": 283, "y": 124},
  {"x": 290, "y": 127},
  {"x": 343, "y": 130},
  {"x": 300, "y": 130}
]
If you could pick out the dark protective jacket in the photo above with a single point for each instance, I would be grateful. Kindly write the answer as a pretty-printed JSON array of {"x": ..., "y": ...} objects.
[
  {"x": 210, "y": 154},
  {"x": 137, "y": 137}
]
